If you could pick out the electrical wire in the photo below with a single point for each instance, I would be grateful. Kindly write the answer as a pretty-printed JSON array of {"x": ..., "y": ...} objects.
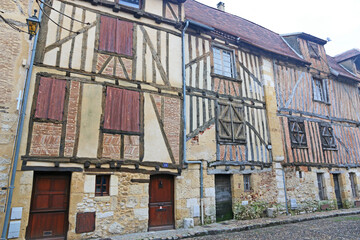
[
  {"x": 53, "y": 20},
  {"x": 87, "y": 23},
  {"x": 12, "y": 25}
]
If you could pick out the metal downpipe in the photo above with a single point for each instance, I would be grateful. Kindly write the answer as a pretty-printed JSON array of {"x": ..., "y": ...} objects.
[
  {"x": 184, "y": 123},
  {"x": 19, "y": 133}
]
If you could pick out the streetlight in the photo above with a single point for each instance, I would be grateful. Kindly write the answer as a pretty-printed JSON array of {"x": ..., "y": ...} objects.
[{"x": 33, "y": 22}]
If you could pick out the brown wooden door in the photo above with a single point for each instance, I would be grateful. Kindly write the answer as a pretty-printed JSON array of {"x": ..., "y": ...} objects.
[
  {"x": 337, "y": 190},
  {"x": 161, "y": 203},
  {"x": 223, "y": 198},
  {"x": 49, "y": 207}
]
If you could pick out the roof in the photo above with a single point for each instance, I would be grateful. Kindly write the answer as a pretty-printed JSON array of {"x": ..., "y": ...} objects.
[
  {"x": 341, "y": 70},
  {"x": 248, "y": 32},
  {"x": 306, "y": 36},
  {"x": 346, "y": 55}
]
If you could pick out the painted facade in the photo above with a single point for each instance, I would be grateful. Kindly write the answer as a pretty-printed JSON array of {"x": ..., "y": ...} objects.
[{"x": 103, "y": 143}]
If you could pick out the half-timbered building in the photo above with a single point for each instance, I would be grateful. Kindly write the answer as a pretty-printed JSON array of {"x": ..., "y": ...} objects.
[
  {"x": 318, "y": 108},
  {"x": 147, "y": 114}
]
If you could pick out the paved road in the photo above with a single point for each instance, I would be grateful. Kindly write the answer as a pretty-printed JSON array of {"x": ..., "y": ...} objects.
[{"x": 347, "y": 227}]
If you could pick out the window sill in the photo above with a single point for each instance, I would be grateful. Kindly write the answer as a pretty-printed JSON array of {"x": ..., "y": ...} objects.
[
  {"x": 323, "y": 102},
  {"x": 214, "y": 75},
  {"x": 300, "y": 147},
  {"x": 330, "y": 149},
  {"x": 102, "y": 198}
]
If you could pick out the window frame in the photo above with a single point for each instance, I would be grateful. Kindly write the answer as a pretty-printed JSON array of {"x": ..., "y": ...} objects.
[
  {"x": 115, "y": 46},
  {"x": 321, "y": 186},
  {"x": 222, "y": 123},
  {"x": 247, "y": 182},
  {"x": 313, "y": 50},
  {"x": 52, "y": 114},
  {"x": 325, "y": 139},
  {"x": 107, "y": 185},
  {"x": 353, "y": 184},
  {"x": 231, "y": 65},
  {"x": 293, "y": 137},
  {"x": 320, "y": 90},
  {"x": 108, "y": 110},
  {"x": 127, "y": 4}
]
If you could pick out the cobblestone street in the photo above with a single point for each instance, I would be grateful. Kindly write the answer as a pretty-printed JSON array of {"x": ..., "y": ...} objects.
[{"x": 345, "y": 227}]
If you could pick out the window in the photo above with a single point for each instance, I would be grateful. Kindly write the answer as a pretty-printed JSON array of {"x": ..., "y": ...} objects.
[
  {"x": 223, "y": 62},
  {"x": 321, "y": 186},
  {"x": 320, "y": 90},
  {"x": 353, "y": 184},
  {"x": 102, "y": 185},
  {"x": 247, "y": 184},
  {"x": 122, "y": 110},
  {"x": 116, "y": 36},
  {"x": 130, "y": 3},
  {"x": 357, "y": 64},
  {"x": 297, "y": 133},
  {"x": 50, "y": 99},
  {"x": 313, "y": 50},
  {"x": 230, "y": 123},
  {"x": 327, "y": 136}
]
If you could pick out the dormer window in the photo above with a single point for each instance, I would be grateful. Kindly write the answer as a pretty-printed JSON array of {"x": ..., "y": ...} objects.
[
  {"x": 357, "y": 64},
  {"x": 130, "y": 3},
  {"x": 313, "y": 50}
]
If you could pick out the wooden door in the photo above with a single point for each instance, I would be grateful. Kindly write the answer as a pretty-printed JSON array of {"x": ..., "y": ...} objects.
[
  {"x": 337, "y": 190},
  {"x": 223, "y": 198},
  {"x": 161, "y": 203},
  {"x": 49, "y": 207}
]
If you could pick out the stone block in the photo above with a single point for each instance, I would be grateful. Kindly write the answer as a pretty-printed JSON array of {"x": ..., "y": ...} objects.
[
  {"x": 191, "y": 202},
  {"x": 116, "y": 228},
  {"x": 135, "y": 189},
  {"x": 141, "y": 213},
  {"x": 104, "y": 214},
  {"x": 188, "y": 223},
  {"x": 271, "y": 212},
  {"x": 114, "y": 190},
  {"x": 209, "y": 192},
  {"x": 89, "y": 184}
]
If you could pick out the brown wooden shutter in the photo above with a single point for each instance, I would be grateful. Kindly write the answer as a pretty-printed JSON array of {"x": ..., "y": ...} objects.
[
  {"x": 107, "y": 37},
  {"x": 116, "y": 36},
  {"x": 124, "y": 37},
  {"x": 238, "y": 123},
  {"x": 85, "y": 222},
  {"x": 224, "y": 118},
  {"x": 122, "y": 110},
  {"x": 50, "y": 100}
]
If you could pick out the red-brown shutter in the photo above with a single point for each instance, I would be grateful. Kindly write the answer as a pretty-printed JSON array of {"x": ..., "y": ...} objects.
[
  {"x": 124, "y": 37},
  {"x": 107, "y": 37},
  {"x": 116, "y": 36},
  {"x": 85, "y": 222},
  {"x": 51, "y": 97},
  {"x": 122, "y": 110}
]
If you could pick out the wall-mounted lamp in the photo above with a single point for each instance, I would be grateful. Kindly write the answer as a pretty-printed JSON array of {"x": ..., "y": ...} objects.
[{"x": 33, "y": 24}]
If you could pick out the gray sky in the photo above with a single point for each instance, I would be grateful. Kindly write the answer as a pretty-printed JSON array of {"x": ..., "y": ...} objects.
[{"x": 338, "y": 20}]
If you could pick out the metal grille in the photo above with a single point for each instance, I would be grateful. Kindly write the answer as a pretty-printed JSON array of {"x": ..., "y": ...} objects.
[
  {"x": 327, "y": 136},
  {"x": 247, "y": 184}
]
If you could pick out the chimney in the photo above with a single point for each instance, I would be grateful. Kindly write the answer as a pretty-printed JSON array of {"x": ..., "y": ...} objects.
[{"x": 221, "y": 6}]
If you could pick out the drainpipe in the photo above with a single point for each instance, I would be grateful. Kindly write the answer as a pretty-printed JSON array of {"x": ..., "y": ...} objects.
[
  {"x": 19, "y": 133},
  {"x": 187, "y": 22},
  {"x": 286, "y": 201},
  {"x": 198, "y": 25}
]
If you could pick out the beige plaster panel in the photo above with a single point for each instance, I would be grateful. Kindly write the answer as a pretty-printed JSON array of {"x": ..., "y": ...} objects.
[
  {"x": 154, "y": 7},
  {"x": 52, "y": 28},
  {"x": 90, "y": 120},
  {"x": 90, "y": 49},
  {"x": 175, "y": 56},
  {"x": 204, "y": 148},
  {"x": 153, "y": 136},
  {"x": 76, "y": 57}
]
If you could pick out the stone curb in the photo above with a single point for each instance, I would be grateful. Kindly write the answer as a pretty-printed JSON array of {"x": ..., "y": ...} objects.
[
  {"x": 201, "y": 231},
  {"x": 256, "y": 226}
]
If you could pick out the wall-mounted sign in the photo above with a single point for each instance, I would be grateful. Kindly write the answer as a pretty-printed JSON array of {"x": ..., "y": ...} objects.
[
  {"x": 14, "y": 229},
  {"x": 16, "y": 213}
]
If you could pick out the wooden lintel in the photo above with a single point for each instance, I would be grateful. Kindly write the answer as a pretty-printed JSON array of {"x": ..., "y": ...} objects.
[{"x": 140, "y": 180}]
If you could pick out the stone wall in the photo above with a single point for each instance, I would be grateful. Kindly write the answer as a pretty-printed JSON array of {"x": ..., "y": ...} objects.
[
  {"x": 125, "y": 210},
  {"x": 14, "y": 48},
  {"x": 304, "y": 186}
]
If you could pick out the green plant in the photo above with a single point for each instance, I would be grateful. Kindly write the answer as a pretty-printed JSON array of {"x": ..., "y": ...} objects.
[
  {"x": 250, "y": 211},
  {"x": 326, "y": 205},
  {"x": 347, "y": 204}
]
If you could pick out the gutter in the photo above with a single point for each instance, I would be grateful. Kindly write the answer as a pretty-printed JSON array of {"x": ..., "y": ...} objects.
[
  {"x": 202, "y": 26},
  {"x": 19, "y": 133}
]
